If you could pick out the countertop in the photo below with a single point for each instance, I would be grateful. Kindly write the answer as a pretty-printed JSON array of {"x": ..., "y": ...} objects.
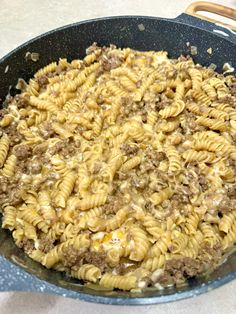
[{"x": 21, "y": 20}]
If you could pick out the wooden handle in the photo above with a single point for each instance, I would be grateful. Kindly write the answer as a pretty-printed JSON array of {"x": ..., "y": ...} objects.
[{"x": 221, "y": 10}]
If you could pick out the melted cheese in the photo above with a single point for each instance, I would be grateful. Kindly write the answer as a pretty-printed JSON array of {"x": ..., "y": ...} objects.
[{"x": 106, "y": 241}]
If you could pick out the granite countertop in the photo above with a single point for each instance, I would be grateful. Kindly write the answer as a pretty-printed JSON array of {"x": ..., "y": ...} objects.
[{"x": 21, "y": 20}]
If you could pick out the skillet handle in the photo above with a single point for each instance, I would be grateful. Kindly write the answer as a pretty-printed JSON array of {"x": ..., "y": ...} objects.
[{"x": 221, "y": 10}]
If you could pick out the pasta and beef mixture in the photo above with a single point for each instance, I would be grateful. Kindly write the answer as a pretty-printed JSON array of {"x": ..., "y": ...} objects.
[{"x": 119, "y": 169}]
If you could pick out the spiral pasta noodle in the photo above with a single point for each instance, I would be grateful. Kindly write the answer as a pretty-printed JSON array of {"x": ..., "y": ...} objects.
[
  {"x": 65, "y": 189},
  {"x": 87, "y": 272},
  {"x": 173, "y": 110},
  {"x": 9, "y": 166},
  {"x": 4, "y": 147},
  {"x": 174, "y": 159},
  {"x": 120, "y": 282}
]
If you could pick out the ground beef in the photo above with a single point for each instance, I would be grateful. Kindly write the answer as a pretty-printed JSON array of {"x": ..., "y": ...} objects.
[
  {"x": 183, "y": 199},
  {"x": 113, "y": 204},
  {"x": 226, "y": 205},
  {"x": 22, "y": 166},
  {"x": 57, "y": 148},
  {"x": 154, "y": 157},
  {"x": 65, "y": 147},
  {"x": 15, "y": 196},
  {"x": 182, "y": 194},
  {"x": 232, "y": 87},
  {"x": 27, "y": 245},
  {"x": 210, "y": 256},
  {"x": 130, "y": 107},
  {"x": 164, "y": 100},
  {"x": 160, "y": 156},
  {"x": 21, "y": 102},
  {"x": 46, "y": 245},
  {"x": 203, "y": 182},
  {"x": 42, "y": 80},
  {"x": 96, "y": 258},
  {"x": 129, "y": 149},
  {"x": 181, "y": 268},
  {"x": 146, "y": 166},
  {"x": 233, "y": 90},
  {"x": 189, "y": 125},
  {"x": 139, "y": 182},
  {"x": 73, "y": 257},
  {"x": 14, "y": 137},
  {"x": 190, "y": 120},
  {"x": 46, "y": 130},
  {"x": 40, "y": 149},
  {"x": 35, "y": 166},
  {"x": 110, "y": 61},
  {"x": 232, "y": 191},
  {"x": 10, "y": 191},
  {"x": 23, "y": 151},
  {"x": 227, "y": 100}
]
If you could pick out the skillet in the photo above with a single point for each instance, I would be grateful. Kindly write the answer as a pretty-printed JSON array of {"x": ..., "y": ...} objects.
[{"x": 20, "y": 273}]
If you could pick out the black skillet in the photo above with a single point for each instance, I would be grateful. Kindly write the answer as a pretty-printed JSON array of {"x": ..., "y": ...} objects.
[{"x": 20, "y": 273}]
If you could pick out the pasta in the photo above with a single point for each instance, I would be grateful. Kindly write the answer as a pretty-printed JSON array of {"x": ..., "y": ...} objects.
[
  {"x": 154, "y": 263},
  {"x": 172, "y": 111},
  {"x": 9, "y": 219},
  {"x": 120, "y": 282},
  {"x": 87, "y": 272},
  {"x": 141, "y": 244},
  {"x": 119, "y": 168},
  {"x": 174, "y": 159},
  {"x": 158, "y": 198},
  {"x": 4, "y": 147},
  {"x": 202, "y": 156},
  {"x": 213, "y": 124},
  {"x": 99, "y": 224},
  {"x": 65, "y": 189},
  {"x": 9, "y": 166},
  {"x": 196, "y": 77}
]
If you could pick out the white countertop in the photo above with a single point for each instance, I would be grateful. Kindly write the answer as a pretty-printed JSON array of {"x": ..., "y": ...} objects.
[{"x": 21, "y": 20}]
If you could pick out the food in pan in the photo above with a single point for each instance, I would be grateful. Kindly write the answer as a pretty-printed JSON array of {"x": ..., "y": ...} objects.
[{"x": 119, "y": 169}]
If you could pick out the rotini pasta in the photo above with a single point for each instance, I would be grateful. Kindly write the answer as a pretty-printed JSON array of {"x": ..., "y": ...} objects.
[
  {"x": 121, "y": 282},
  {"x": 87, "y": 272},
  {"x": 4, "y": 147},
  {"x": 172, "y": 111},
  {"x": 119, "y": 169}
]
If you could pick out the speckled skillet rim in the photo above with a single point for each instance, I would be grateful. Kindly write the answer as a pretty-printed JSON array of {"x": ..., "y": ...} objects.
[{"x": 14, "y": 278}]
